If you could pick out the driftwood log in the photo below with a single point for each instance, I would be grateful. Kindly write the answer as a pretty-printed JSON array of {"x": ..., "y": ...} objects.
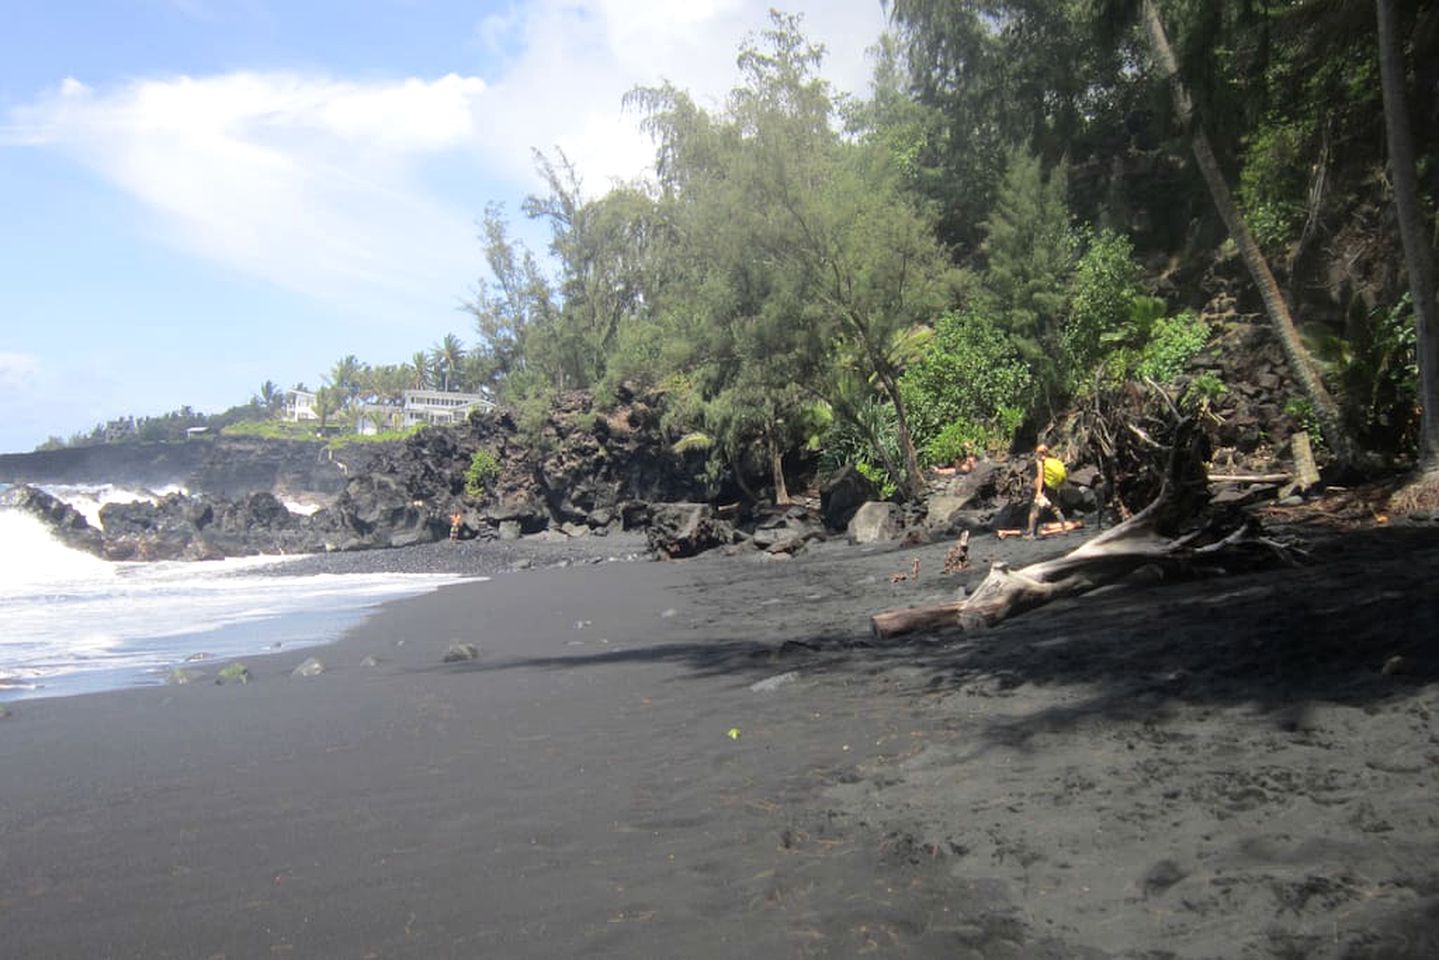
[{"x": 1149, "y": 538}]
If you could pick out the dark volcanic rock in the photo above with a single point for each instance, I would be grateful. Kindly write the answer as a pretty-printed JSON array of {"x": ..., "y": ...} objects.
[
  {"x": 376, "y": 510},
  {"x": 685, "y": 529},
  {"x": 258, "y": 523},
  {"x": 843, "y": 495},
  {"x": 222, "y": 466},
  {"x": 170, "y": 529},
  {"x": 788, "y": 531},
  {"x": 67, "y": 523},
  {"x": 587, "y": 470}
]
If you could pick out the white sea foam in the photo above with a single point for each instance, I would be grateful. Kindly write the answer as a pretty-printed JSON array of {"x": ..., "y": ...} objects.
[
  {"x": 89, "y": 498},
  {"x": 70, "y": 622},
  {"x": 31, "y": 558}
]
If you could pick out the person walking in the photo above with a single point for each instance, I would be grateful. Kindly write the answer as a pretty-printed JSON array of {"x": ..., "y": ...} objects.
[{"x": 1049, "y": 475}]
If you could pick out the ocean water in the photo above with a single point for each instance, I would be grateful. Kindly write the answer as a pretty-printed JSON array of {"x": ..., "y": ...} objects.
[{"x": 71, "y": 623}]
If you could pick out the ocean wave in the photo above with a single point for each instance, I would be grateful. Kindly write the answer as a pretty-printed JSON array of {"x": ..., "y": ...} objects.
[{"x": 69, "y": 615}]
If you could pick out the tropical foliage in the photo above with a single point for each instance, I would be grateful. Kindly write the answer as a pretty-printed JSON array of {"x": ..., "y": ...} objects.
[{"x": 1023, "y": 210}]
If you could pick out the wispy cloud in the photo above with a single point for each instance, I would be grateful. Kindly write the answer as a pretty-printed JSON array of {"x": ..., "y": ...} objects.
[
  {"x": 318, "y": 184},
  {"x": 306, "y": 182},
  {"x": 581, "y": 56},
  {"x": 18, "y": 372}
]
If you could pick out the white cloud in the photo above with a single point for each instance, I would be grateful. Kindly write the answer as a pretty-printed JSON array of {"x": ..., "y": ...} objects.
[
  {"x": 305, "y": 182},
  {"x": 581, "y": 56},
  {"x": 18, "y": 372},
  {"x": 317, "y": 184}
]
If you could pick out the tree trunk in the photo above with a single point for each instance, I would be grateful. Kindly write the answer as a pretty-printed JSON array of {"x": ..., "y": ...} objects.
[
  {"x": 1417, "y": 257},
  {"x": 914, "y": 480},
  {"x": 1275, "y": 306},
  {"x": 776, "y": 463}
]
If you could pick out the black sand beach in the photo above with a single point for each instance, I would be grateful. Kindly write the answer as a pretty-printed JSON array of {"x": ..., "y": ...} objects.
[{"x": 1238, "y": 767}]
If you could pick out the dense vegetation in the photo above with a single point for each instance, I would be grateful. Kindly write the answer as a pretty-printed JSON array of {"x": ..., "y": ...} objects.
[
  {"x": 1031, "y": 206},
  {"x": 948, "y": 265}
]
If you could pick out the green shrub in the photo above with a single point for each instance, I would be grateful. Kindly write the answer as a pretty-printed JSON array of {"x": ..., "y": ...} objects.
[
  {"x": 1173, "y": 342},
  {"x": 483, "y": 470},
  {"x": 1302, "y": 410},
  {"x": 1275, "y": 180},
  {"x": 878, "y": 476},
  {"x": 1381, "y": 378},
  {"x": 961, "y": 438},
  {"x": 1102, "y": 303},
  {"x": 971, "y": 373},
  {"x": 867, "y": 439},
  {"x": 1203, "y": 390},
  {"x": 694, "y": 440}
]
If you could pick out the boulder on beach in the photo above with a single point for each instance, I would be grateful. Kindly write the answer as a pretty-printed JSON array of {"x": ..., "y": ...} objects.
[
  {"x": 460, "y": 653},
  {"x": 842, "y": 496},
  {"x": 686, "y": 529},
  {"x": 875, "y": 522},
  {"x": 312, "y": 667}
]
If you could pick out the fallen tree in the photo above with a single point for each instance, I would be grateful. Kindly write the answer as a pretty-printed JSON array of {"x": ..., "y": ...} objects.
[{"x": 1170, "y": 534}]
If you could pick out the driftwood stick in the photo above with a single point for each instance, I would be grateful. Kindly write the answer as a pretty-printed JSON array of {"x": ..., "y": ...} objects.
[
  {"x": 1148, "y": 440},
  {"x": 894, "y": 623},
  {"x": 1250, "y": 477}
]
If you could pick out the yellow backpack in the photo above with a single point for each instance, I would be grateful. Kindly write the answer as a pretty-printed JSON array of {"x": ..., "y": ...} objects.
[{"x": 1054, "y": 472}]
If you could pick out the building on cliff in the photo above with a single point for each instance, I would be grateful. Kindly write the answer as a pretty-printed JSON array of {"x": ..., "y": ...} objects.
[
  {"x": 439, "y": 407},
  {"x": 300, "y": 405}
]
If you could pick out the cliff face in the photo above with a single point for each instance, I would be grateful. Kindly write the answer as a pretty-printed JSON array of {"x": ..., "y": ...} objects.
[
  {"x": 586, "y": 472},
  {"x": 221, "y": 466}
]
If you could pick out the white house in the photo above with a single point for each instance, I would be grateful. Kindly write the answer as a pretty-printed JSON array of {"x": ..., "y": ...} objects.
[
  {"x": 300, "y": 405},
  {"x": 437, "y": 406},
  {"x": 375, "y": 418}
]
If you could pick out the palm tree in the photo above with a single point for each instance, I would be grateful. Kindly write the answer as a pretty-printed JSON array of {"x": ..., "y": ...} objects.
[
  {"x": 271, "y": 397},
  {"x": 1417, "y": 258},
  {"x": 447, "y": 356},
  {"x": 345, "y": 378},
  {"x": 325, "y": 405},
  {"x": 419, "y": 367},
  {"x": 1274, "y": 303}
]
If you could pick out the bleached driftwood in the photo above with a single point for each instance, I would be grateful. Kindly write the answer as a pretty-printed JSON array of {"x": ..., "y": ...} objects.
[
  {"x": 1250, "y": 477},
  {"x": 1149, "y": 538}
]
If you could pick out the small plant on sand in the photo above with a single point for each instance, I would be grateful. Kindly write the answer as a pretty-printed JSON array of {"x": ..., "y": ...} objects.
[
  {"x": 483, "y": 470},
  {"x": 233, "y": 673}
]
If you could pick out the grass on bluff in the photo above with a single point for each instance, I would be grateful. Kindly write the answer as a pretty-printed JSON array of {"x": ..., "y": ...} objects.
[{"x": 288, "y": 430}]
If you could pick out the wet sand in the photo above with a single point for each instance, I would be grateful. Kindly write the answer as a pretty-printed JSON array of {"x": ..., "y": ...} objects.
[{"x": 1214, "y": 769}]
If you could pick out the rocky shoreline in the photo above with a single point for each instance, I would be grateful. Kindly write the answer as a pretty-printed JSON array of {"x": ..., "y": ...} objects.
[{"x": 589, "y": 474}]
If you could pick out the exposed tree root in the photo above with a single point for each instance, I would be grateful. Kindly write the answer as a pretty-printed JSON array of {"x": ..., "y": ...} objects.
[
  {"x": 1419, "y": 495},
  {"x": 1151, "y": 538}
]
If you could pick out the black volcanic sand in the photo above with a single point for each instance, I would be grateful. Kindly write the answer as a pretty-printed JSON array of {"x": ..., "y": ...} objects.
[{"x": 1214, "y": 769}]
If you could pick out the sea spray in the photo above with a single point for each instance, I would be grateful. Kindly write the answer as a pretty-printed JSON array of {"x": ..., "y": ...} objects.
[
  {"x": 32, "y": 559},
  {"x": 90, "y": 498},
  {"x": 73, "y": 623}
]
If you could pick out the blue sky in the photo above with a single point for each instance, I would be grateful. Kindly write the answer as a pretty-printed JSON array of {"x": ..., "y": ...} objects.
[{"x": 199, "y": 195}]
